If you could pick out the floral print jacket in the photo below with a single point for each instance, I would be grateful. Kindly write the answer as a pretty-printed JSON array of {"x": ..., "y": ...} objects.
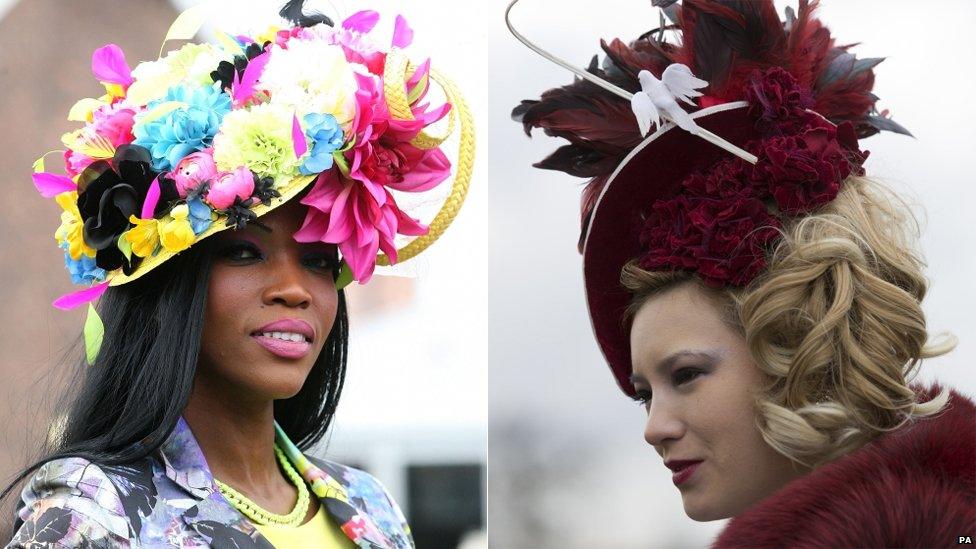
[{"x": 169, "y": 499}]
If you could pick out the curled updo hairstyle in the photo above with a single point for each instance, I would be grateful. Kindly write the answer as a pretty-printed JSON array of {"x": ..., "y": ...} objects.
[{"x": 835, "y": 323}]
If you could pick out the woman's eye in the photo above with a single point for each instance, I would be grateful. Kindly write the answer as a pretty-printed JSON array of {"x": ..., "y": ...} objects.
[
  {"x": 642, "y": 397},
  {"x": 325, "y": 262},
  {"x": 685, "y": 375},
  {"x": 241, "y": 252}
]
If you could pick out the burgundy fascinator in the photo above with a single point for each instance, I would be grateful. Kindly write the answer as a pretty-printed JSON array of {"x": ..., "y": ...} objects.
[{"x": 697, "y": 149}]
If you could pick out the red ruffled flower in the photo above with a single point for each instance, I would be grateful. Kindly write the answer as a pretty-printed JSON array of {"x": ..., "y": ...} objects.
[
  {"x": 728, "y": 179},
  {"x": 803, "y": 171},
  {"x": 777, "y": 101},
  {"x": 724, "y": 240},
  {"x": 718, "y": 225}
]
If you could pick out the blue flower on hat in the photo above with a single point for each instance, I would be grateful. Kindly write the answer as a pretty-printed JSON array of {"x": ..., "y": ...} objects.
[
  {"x": 201, "y": 216},
  {"x": 82, "y": 270},
  {"x": 326, "y": 133},
  {"x": 186, "y": 129}
]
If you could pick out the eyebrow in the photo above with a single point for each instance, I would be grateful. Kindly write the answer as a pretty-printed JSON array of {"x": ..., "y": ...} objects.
[
  {"x": 669, "y": 361},
  {"x": 242, "y": 235}
]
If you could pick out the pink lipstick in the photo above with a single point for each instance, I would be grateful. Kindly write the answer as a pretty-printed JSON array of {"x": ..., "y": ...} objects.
[
  {"x": 287, "y": 338},
  {"x": 682, "y": 469}
]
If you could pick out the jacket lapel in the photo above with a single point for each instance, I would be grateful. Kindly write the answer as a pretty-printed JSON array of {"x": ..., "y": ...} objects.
[
  {"x": 333, "y": 493},
  {"x": 223, "y": 526},
  {"x": 212, "y": 516}
]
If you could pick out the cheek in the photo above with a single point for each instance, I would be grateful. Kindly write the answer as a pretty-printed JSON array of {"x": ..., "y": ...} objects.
[
  {"x": 327, "y": 313},
  {"x": 228, "y": 294},
  {"x": 728, "y": 424},
  {"x": 326, "y": 303}
]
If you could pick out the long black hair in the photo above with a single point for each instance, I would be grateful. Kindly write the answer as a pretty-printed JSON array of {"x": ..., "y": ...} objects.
[{"x": 123, "y": 407}]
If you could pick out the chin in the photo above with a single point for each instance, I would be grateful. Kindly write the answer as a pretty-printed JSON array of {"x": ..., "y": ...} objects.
[
  {"x": 702, "y": 511},
  {"x": 281, "y": 385}
]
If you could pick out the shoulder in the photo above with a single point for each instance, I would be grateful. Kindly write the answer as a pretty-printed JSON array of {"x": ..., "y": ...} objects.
[
  {"x": 370, "y": 496},
  {"x": 913, "y": 487},
  {"x": 71, "y": 502}
]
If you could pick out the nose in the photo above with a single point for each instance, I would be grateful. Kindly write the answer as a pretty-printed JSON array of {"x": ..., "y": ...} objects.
[
  {"x": 285, "y": 284},
  {"x": 663, "y": 424}
]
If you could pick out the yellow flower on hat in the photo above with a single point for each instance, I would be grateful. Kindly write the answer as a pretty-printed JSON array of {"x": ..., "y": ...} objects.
[
  {"x": 72, "y": 227},
  {"x": 144, "y": 237},
  {"x": 176, "y": 234},
  {"x": 269, "y": 35}
]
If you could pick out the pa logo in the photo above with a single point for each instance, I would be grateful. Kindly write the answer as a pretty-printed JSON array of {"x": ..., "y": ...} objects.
[{"x": 964, "y": 539}]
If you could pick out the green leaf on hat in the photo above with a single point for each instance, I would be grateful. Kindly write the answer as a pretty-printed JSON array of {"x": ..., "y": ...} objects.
[
  {"x": 94, "y": 330},
  {"x": 125, "y": 246},
  {"x": 345, "y": 276}
]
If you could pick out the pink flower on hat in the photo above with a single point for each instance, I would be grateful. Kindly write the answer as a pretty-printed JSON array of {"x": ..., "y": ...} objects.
[
  {"x": 112, "y": 122},
  {"x": 193, "y": 170},
  {"x": 358, "y": 212},
  {"x": 342, "y": 211},
  {"x": 383, "y": 156},
  {"x": 228, "y": 186}
]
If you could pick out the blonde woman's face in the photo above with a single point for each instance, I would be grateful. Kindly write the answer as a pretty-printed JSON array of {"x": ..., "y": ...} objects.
[{"x": 699, "y": 384}]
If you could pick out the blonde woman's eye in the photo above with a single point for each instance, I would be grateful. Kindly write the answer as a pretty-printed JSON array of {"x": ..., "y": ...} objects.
[
  {"x": 684, "y": 375},
  {"x": 642, "y": 397}
]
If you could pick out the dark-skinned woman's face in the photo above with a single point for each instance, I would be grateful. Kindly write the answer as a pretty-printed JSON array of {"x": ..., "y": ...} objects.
[{"x": 271, "y": 304}]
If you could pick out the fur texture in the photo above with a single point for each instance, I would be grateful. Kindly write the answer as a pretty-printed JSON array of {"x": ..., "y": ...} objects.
[{"x": 914, "y": 487}]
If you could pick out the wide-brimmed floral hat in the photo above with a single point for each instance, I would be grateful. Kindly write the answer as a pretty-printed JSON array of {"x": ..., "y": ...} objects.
[
  {"x": 698, "y": 148},
  {"x": 210, "y": 137}
]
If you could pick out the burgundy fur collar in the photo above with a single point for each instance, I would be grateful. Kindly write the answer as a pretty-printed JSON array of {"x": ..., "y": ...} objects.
[{"x": 914, "y": 487}]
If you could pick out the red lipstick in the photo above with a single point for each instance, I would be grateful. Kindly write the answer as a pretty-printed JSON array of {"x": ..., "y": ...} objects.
[{"x": 682, "y": 469}]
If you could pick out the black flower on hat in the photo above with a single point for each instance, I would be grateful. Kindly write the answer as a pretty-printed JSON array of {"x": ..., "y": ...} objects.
[
  {"x": 225, "y": 69},
  {"x": 264, "y": 188},
  {"x": 108, "y": 193},
  {"x": 239, "y": 214}
]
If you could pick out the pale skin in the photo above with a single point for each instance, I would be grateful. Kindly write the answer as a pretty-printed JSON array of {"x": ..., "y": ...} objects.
[
  {"x": 699, "y": 384},
  {"x": 257, "y": 277}
]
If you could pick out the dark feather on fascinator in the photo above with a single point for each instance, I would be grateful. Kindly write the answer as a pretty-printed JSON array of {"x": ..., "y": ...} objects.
[
  {"x": 293, "y": 11},
  {"x": 723, "y": 42}
]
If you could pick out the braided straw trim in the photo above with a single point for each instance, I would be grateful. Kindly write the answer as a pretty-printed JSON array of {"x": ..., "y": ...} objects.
[
  {"x": 462, "y": 176},
  {"x": 394, "y": 91}
]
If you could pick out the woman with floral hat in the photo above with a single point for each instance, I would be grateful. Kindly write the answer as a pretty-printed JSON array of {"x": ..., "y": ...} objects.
[
  {"x": 753, "y": 289},
  {"x": 213, "y": 363}
]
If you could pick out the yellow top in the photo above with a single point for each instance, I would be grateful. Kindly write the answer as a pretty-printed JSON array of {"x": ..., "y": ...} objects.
[{"x": 321, "y": 531}]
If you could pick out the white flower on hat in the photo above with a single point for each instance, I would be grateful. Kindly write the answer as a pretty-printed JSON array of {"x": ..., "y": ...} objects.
[
  {"x": 311, "y": 76},
  {"x": 191, "y": 64}
]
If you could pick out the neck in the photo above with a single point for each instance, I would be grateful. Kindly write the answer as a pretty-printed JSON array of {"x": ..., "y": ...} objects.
[{"x": 236, "y": 436}]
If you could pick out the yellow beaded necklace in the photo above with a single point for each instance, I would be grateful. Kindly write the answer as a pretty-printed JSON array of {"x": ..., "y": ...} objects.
[{"x": 254, "y": 512}]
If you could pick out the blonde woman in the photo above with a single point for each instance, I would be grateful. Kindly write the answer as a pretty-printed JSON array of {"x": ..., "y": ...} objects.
[{"x": 754, "y": 289}]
